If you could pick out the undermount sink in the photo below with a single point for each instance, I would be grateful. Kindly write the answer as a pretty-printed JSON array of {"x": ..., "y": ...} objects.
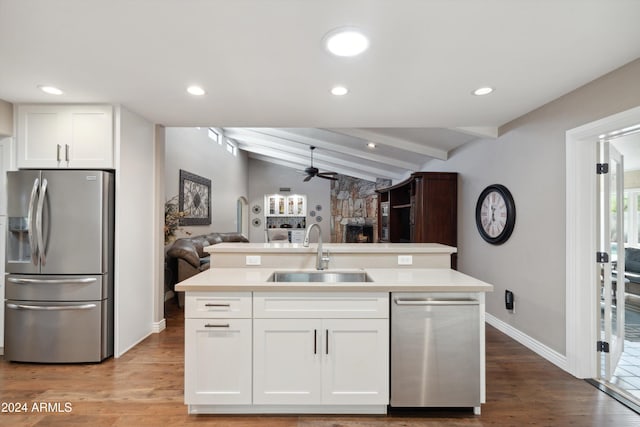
[{"x": 319, "y": 276}]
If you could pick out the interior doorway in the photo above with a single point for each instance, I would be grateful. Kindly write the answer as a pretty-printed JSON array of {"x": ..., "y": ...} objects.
[
  {"x": 583, "y": 302},
  {"x": 587, "y": 305},
  {"x": 242, "y": 216}
]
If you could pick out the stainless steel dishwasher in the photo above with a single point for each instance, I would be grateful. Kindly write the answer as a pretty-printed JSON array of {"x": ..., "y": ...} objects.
[{"x": 435, "y": 351}]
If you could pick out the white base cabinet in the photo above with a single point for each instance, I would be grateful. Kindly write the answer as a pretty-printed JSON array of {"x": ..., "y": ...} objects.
[
  {"x": 218, "y": 349},
  {"x": 286, "y": 365},
  {"x": 65, "y": 136},
  {"x": 320, "y": 361},
  {"x": 299, "y": 353}
]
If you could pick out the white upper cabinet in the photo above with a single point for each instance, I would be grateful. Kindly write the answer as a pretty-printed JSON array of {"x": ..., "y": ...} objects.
[{"x": 65, "y": 136}]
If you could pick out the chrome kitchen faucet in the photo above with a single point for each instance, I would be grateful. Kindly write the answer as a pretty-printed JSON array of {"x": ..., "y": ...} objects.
[{"x": 322, "y": 261}]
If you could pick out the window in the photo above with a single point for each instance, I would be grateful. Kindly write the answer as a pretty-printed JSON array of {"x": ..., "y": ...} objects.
[
  {"x": 231, "y": 147},
  {"x": 632, "y": 217},
  {"x": 214, "y": 135}
]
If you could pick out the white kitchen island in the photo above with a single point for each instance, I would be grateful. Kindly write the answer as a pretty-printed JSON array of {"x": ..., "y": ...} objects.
[{"x": 253, "y": 345}]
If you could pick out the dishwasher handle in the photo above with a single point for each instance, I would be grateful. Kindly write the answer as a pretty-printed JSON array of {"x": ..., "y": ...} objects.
[{"x": 430, "y": 301}]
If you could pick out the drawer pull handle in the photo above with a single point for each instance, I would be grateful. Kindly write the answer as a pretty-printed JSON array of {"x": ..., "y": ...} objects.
[
  {"x": 217, "y": 305},
  {"x": 209, "y": 325}
]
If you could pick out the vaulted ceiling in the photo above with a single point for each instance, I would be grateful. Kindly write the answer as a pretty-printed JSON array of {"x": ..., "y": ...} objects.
[
  {"x": 346, "y": 151},
  {"x": 267, "y": 76}
]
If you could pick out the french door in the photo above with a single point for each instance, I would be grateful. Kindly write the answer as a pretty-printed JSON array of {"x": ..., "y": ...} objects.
[{"x": 610, "y": 263}]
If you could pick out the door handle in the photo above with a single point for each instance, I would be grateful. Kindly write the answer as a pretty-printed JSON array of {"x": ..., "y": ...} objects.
[
  {"x": 43, "y": 193},
  {"x": 32, "y": 238},
  {"x": 400, "y": 301},
  {"x": 25, "y": 281},
  {"x": 50, "y": 307},
  {"x": 327, "y": 341}
]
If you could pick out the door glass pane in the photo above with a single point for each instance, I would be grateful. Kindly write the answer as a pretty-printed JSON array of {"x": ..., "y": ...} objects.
[{"x": 613, "y": 239}]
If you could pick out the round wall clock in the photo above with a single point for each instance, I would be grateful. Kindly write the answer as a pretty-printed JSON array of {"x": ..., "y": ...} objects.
[{"x": 495, "y": 214}]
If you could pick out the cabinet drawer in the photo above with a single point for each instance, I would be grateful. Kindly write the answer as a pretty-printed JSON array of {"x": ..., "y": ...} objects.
[
  {"x": 206, "y": 305},
  {"x": 304, "y": 305}
]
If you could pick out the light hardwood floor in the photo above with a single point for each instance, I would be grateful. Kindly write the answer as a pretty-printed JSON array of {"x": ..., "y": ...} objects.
[{"x": 145, "y": 386}]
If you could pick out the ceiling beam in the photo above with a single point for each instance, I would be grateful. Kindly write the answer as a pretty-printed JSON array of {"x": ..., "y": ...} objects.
[
  {"x": 301, "y": 162},
  {"x": 479, "y": 131},
  {"x": 391, "y": 141},
  {"x": 280, "y": 162},
  {"x": 303, "y": 139},
  {"x": 280, "y": 146}
]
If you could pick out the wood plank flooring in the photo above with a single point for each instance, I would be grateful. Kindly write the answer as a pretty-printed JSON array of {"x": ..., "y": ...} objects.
[{"x": 145, "y": 386}]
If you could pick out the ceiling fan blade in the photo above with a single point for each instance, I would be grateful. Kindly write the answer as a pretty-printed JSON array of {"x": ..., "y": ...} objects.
[
  {"x": 307, "y": 178},
  {"x": 333, "y": 178}
]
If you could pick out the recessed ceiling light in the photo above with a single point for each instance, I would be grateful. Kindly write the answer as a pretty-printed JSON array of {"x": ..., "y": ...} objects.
[
  {"x": 50, "y": 90},
  {"x": 339, "y": 90},
  {"x": 196, "y": 90},
  {"x": 483, "y": 91},
  {"x": 371, "y": 145},
  {"x": 346, "y": 41}
]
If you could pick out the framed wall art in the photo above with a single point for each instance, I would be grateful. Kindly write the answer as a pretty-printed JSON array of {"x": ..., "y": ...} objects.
[{"x": 194, "y": 199}]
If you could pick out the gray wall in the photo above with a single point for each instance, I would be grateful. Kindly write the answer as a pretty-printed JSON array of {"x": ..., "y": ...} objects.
[
  {"x": 267, "y": 178},
  {"x": 192, "y": 150},
  {"x": 6, "y": 118},
  {"x": 529, "y": 158}
]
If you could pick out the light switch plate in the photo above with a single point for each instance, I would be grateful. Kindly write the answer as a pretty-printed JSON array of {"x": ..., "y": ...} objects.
[
  {"x": 405, "y": 260},
  {"x": 253, "y": 260}
]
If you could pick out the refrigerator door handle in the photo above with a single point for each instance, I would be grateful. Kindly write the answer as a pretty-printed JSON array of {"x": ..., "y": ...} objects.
[
  {"x": 43, "y": 193},
  {"x": 50, "y": 307},
  {"x": 25, "y": 281},
  {"x": 32, "y": 238}
]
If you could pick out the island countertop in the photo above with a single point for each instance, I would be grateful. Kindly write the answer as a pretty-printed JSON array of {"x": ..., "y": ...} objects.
[
  {"x": 383, "y": 280},
  {"x": 351, "y": 248}
]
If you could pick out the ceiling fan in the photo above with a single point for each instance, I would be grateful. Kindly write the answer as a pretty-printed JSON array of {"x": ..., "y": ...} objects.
[{"x": 313, "y": 171}]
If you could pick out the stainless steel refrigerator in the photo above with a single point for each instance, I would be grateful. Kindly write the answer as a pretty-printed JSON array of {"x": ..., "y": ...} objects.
[{"x": 59, "y": 260}]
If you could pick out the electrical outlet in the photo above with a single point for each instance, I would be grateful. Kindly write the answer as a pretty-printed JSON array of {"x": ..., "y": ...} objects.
[
  {"x": 253, "y": 260},
  {"x": 509, "y": 301},
  {"x": 405, "y": 259}
]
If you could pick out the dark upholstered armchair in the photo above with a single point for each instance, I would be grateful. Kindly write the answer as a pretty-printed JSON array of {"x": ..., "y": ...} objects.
[{"x": 186, "y": 257}]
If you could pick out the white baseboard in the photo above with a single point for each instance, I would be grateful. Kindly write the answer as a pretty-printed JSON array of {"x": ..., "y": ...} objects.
[
  {"x": 536, "y": 346},
  {"x": 159, "y": 326}
]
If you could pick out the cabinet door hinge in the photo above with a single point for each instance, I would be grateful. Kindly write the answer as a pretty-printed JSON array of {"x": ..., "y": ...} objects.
[
  {"x": 602, "y": 257},
  {"x": 602, "y": 168},
  {"x": 602, "y": 346}
]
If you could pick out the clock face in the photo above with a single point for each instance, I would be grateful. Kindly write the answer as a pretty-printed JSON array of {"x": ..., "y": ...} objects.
[{"x": 495, "y": 214}]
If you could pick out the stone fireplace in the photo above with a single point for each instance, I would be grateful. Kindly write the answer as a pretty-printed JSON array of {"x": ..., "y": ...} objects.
[{"x": 354, "y": 209}]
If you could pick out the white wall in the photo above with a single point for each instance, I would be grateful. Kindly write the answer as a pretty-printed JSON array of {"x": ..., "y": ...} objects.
[
  {"x": 529, "y": 158},
  {"x": 191, "y": 149},
  {"x": 268, "y": 178},
  {"x": 135, "y": 234}
]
